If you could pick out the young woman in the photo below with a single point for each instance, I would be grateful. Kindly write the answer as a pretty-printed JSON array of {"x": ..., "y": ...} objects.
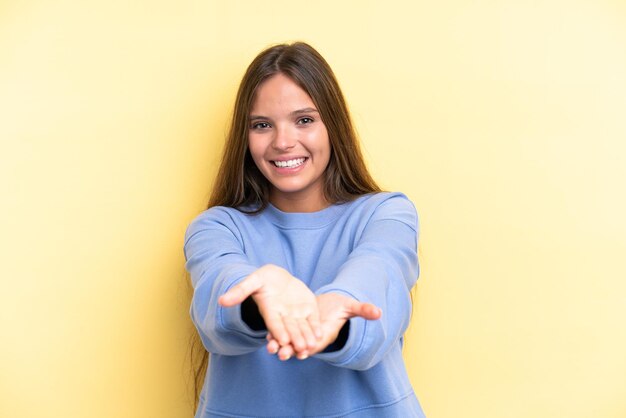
[{"x": 301, "y": 267}]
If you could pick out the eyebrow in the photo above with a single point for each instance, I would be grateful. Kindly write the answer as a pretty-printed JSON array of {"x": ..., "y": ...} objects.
[{"x": 294, "y": 113}]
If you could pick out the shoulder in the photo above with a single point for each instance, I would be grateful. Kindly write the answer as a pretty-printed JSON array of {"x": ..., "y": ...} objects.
[
  {"x": 386, "y": 205},
  {"x": 217, "y": 217}
]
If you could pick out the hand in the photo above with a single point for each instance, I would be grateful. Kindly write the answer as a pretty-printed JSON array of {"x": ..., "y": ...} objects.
[
  {"x": 334, "y": 309},
  {"x": 287, "y": 306}
]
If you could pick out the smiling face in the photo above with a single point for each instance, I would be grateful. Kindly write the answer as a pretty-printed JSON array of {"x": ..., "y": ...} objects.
[{"x": 289, "y": 144}]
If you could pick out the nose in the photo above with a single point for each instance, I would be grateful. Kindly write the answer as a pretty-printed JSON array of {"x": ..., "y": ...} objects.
[{"x": 284, "y": 139}]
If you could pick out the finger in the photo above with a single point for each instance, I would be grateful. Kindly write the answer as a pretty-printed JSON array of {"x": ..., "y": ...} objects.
[
  {"x": 364, "y": 310},
  {"x": 295, "y": 334},
  {"x": 316, "y": 325},
  {"x": 285, "y": 353},
  {"x": 275, "y": 325},
  {"x": 330, "y": 334},
  {"x": 240, "y": 291},
  {"x": 273, "y": 346},
  {"x": 307, "y": 333}
]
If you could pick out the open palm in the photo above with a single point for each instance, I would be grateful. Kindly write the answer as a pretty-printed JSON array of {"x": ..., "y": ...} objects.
[
  {"x": 287, "y": 305},
  {"x": 334, "y": 310}
]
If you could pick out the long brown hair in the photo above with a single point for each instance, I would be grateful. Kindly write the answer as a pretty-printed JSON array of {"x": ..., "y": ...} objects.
[{"x": 240, "y": 184}]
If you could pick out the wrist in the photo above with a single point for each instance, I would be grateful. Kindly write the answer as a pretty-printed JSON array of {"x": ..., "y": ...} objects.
[
  {"x": 251, "y": 316},
  {"x": 340, "y": 341}
]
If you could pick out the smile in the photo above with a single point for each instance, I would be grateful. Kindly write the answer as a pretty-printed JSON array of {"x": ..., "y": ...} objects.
[{"x": 296, "y": 162}]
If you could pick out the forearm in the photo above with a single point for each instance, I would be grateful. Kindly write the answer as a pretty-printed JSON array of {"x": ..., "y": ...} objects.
[
  {"x": 368, "y": 341},
  {"x": 381, "y": 271}
]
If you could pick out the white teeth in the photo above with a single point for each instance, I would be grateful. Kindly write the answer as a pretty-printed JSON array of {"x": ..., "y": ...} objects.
[{"x": 289, "y": 163}]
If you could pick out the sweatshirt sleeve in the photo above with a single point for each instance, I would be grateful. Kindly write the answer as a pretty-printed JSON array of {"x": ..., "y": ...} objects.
[
  {"x": 381, "y": 269},
  {"x": 216, "y": 261}
]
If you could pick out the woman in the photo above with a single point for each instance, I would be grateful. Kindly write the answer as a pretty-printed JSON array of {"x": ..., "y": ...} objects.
[{"x": 301, "y": 266}]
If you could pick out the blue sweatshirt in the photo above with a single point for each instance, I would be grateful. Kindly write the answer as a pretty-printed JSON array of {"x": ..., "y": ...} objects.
[{"x": 365, "y": 249}]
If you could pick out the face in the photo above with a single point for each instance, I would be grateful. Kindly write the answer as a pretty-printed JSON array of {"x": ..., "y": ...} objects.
[{"x": 289, "y": 144}]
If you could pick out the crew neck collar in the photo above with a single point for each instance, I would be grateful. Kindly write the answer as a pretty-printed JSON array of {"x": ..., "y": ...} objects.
[{"x": 304, "y": 220}]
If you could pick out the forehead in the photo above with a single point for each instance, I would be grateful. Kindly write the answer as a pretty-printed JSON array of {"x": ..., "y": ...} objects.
[{"x": 280, "y": 93}]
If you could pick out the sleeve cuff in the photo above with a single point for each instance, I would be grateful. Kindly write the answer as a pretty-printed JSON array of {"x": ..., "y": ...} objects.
[
  {"x": 233, "y": 318},
  {"x": 350, "y": 349},
  {"x": 356, "y": 328}
]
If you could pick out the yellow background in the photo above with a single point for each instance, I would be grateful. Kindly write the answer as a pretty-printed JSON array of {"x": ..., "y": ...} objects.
[{"x": 504, "y": 121}]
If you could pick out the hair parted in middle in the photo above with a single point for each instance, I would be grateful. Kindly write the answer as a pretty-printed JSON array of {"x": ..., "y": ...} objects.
[{"x": 239, "y": 182}]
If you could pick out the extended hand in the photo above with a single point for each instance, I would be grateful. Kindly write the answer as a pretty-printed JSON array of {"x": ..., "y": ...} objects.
[
  {"x": 287, "y": 306},
  {"x": 334, "y": 309}
]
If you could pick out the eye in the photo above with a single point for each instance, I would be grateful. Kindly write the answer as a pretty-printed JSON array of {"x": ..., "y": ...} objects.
[
  {"x": 261, "y": 125},
  {"x": 305, "y": 120}
]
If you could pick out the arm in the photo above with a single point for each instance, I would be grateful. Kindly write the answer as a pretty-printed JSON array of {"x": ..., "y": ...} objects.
[
  {"x": 223, "y": 279},
  {"x": 216, "y": 262},
  {"x": 381, "y": 270}
]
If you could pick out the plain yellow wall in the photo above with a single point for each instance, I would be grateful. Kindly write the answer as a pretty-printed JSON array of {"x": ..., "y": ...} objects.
[{"x": 504, "y": 121}]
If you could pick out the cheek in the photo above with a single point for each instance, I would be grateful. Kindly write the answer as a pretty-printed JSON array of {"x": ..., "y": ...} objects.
[{"x": 318, "y": 142}]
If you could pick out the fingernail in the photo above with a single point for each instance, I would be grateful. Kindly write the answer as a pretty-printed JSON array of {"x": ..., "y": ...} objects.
[
  {"x": 304, "y": 357},
  {"x": 286, "y": 358}
]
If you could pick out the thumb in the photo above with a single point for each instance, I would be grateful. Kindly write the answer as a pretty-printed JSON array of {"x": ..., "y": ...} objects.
[
  {"x": 240, "y": 291},
  {"x": 364, "y": 310}
]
